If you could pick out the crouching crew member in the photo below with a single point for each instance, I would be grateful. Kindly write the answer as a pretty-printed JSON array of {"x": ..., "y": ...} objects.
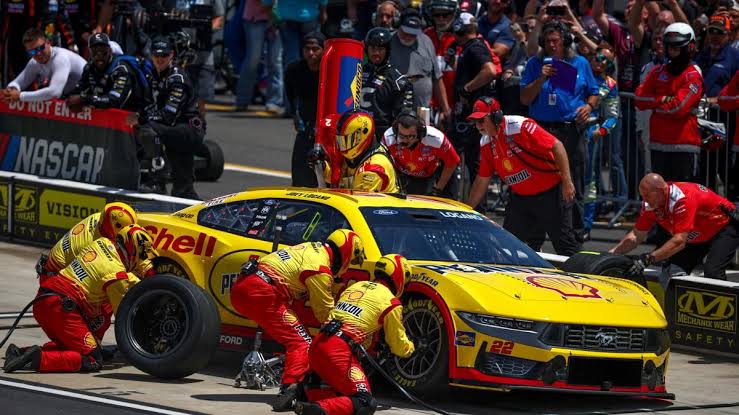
[
  {"x": 265, "y": 289},
  {"x": 417, "y": 151},
  {"x": 362, "y": 310},
  {"x": 535, "y": 166},
  {"x": 702, "y": 224},
  {"x": 73, "y": 317}
]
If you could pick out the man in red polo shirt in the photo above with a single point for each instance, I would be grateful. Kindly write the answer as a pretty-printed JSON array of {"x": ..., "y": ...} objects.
[
  {"x": 702, "y": 224},
  {"x": 417, "y": 151},
  {"x": 535, "y": 166}
]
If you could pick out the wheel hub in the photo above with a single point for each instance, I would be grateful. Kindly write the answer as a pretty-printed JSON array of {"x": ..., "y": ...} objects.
[{"x": 170, "y": 327}]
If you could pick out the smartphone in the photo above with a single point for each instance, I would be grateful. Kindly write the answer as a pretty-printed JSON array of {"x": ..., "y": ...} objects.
[{"x": 556, "y": 10}]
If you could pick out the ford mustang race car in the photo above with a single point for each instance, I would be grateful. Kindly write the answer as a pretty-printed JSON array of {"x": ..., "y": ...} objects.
[{"x": 485, "y": 310}]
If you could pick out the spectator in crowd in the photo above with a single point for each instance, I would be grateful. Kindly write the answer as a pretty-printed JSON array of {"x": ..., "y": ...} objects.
[
  {"x": 61, "y": 67},
  {"x": 534, "y": 164},
  {"x": 174, "y": 117},
  {"x": 298, "y": 18},
  {"x": 386, "y": 15},
  {"x": 443, "y": 13},
  {"x": 673, "y": 91},
  {"x": 700, "y": 222},
  {"x": 495, "y": 27},
  {"x": 301, "y": 88},
  {"x": 412, "y": 52},
  {"x": 718, "y": 60},
  {"x": 362, "y": 14},
  {"x": 728, "y": 100},
  {"x": 202, "y": 70},
  {"x": 418, "y": 151},
  {"x": 562, "y": 111},
  {"x": 385, "y": 92},
  {"x": 110, "y": 82},
  {"x": 259, "y": 27}
]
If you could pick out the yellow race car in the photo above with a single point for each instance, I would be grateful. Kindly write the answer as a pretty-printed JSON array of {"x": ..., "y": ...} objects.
[{"x": 485, "y": 310}]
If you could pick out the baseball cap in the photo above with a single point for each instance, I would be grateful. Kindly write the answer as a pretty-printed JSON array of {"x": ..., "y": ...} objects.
[
  {"x": 98, "y": 39},
  {"x": 314, "y": 37},
  {"x": 161, "y": 46},
  {"x": 483, "y": 108},
  {"x": 465, "y": 19},
  {"x": 410, "y": 23},
  {"x": 720, "y": 22}
]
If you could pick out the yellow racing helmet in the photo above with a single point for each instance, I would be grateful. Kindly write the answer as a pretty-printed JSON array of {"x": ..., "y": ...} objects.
[
  {"x": 355, "y": 131},
  {"x": 135, "y": 245},
  {"x": 348, "y": 250},
  {"x": 395, "y": 270},
  {"x": 114, "y": 217}
]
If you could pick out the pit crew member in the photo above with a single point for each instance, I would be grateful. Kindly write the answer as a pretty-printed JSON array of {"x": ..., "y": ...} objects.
[
  {"x": 265, "y": 289},
  {"x": 534, "y": 164},
  {"x": 72, "y": 318},
  {"x": 61, "y": 67},
  {"x": 385, "y": 92},
  {"x": 702, "y": 224},
  {"x": 361, "y": 311},
  {"x": 174, "y": 117},
  {"x": 417, "y": 151},
  {"x": 673, "y": 92},
  {"x": 366, "y": 163},
  {"x": 108, "y": 81},
  {"x": 445, "y": 45}
]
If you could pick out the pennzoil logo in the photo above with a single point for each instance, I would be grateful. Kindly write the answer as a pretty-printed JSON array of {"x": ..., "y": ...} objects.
[
  {"x": 705, "y": 309},
  {"x": 564, "y": 287},
  {"x": 89, "y": 256},
  {"x": 288, "y": 317},
  {"x": 78, "y": 229},
  {"x": 356, "y": 374}
]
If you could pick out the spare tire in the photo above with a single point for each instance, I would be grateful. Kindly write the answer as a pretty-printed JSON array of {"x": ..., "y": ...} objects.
[
  {"x": 601, "y": 263},
  {"x": 214, "y": 161},
  {"x": 167, "y": 327}
]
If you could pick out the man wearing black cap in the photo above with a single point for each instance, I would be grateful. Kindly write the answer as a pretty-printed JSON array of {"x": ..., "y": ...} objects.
[
  {"x": 174, "y": 117},
  {"x": 301, "y": 88},
  {"x": 718, "y": 60},
  {"x": 109, "y": 82}
]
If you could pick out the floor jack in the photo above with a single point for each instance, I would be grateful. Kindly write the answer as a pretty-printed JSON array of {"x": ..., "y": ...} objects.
[{"x": 257, "y": 372}]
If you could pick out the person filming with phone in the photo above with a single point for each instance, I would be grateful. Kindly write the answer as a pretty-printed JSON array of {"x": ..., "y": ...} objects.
[{"x": 559, "y": 87}]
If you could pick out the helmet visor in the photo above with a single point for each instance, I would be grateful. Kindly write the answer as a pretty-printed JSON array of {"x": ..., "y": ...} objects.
[{"x": 349, "y": 141}]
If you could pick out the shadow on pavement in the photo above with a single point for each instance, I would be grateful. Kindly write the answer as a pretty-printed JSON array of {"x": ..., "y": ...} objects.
[{"x": 143, "y": 377}]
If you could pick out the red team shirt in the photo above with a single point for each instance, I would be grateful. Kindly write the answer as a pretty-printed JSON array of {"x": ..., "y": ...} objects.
[
  {"x": 423, "y": 160},
  {"x": 521, "y": 155},
  {"x": 446, "y": 55},
  {"x": 691, "y": 208},
  {"x": 728, "y": 100}
]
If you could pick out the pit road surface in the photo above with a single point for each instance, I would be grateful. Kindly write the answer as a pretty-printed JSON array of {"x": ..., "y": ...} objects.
[{"x": 258, "y": 153}]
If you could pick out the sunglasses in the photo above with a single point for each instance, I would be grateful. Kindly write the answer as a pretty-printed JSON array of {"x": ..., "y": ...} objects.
[
  {"x": 407, "y": 136},
  {"x": 435, "y": 15},
  {"x": 480, "y": 120},
  {"x": 599, "y": 57},
  {"x": 716, "y": 31},
  {"x": 35, "y": 51}
]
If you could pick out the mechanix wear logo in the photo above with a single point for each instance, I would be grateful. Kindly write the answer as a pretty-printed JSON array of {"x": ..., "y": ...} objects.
[
  {"x": 24, "y": 205},
  {"x": 706, "y": 309}
]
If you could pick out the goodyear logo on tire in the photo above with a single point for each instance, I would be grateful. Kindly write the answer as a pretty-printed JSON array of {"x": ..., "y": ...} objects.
[{"x": 706, "y": 309}]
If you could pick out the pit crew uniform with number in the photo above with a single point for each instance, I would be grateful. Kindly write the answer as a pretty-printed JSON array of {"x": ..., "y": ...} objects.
[
  {"x": 696, "y": 210},
  {"x": 362, "y": 309},
  {"x": 73, "y": 319},
  {"x": 522, "y": 156},
  {"x": 117, "y": 87},
  {"x": 265, "y": 293},
  {"x": 175, "y": 119},
  {"x": 417, "y": 166},
  {"x": 673, "y": 126},
  {"x": 372, "y": 171}
]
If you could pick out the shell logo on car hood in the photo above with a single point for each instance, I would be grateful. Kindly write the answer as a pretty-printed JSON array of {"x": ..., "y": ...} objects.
[{"x": 565, "y": 287}]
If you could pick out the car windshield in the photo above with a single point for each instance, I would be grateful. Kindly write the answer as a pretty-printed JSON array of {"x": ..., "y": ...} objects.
[{"x": 445, "y": 235}]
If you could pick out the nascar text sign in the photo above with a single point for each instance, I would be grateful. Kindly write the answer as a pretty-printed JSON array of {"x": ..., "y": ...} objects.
[
  {"x": 702, "y": 313},
  {"x": 49, "y": 140}
]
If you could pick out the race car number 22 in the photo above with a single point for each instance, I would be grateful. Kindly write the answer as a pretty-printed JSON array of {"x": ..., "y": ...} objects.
[{"x": 501, "y": 347}]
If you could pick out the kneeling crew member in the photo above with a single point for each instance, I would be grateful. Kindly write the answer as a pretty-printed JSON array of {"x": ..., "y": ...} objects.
[
  {"x": 535, "y": 165},
  {"x": 702, "y": 224},
  {"x": 417, "y": 151},
  {"x": 361, "y": 311},
  {"x": 265, "y": 289},
  {"x": 72, "y": 319}
]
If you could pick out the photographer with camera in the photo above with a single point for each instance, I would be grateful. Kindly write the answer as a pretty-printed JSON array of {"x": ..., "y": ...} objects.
[{"x": 173, "y": 117}]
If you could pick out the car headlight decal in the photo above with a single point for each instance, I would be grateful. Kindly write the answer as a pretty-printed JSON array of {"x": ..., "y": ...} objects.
[{"x": 503, "y": 322}]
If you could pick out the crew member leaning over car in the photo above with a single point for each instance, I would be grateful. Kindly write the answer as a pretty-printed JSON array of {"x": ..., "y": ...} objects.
[
  {"x": 73, "y": 315},
  {"x": 361, "y": 311},
  {"x": 702, "y": 224},
  {"x": 265, "y": 289}
]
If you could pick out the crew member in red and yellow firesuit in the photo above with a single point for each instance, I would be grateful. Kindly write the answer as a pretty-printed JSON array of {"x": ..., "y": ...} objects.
[
  {"x": 702, "y": 224},
  {"x": 366, "y": 164},
  {"x": 71, "y": 317},
  {"x": 728, "y": 100},
  {"x": 265, "y": 289},
  {"x": 362, "y": 310}
]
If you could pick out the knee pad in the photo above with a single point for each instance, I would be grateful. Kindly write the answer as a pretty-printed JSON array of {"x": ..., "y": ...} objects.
[{"x": 364, "y": 403}]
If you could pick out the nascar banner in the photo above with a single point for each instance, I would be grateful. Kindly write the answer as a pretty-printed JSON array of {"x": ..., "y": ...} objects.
[
  {"x": 702, "y": 313},
  {"x": 49, "y": 140}
]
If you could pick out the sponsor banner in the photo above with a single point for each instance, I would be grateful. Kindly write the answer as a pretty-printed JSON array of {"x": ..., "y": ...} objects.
[
  {"x": 702, "y": 313},
  {"x": 47, "y": 139}
]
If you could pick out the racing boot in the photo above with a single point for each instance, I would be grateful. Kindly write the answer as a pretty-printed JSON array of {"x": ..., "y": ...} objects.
[
  {"x": 285, "y": 400},
  {"x": 12, "y": 352},
  {"x": 309, "y": 408},
  {"x": 30, "y": 359}
]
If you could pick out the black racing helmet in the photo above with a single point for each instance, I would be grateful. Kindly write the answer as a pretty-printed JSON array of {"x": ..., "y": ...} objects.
[{"x": 379, "y": 36}]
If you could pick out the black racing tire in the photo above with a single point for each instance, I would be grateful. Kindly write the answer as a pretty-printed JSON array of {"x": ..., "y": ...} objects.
[
  {"x": 601, "y": 263},
  {"x": 213, "y": 155},
  {"x": 167, "y": 327},
  {"x": 426, "y": 372}
]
